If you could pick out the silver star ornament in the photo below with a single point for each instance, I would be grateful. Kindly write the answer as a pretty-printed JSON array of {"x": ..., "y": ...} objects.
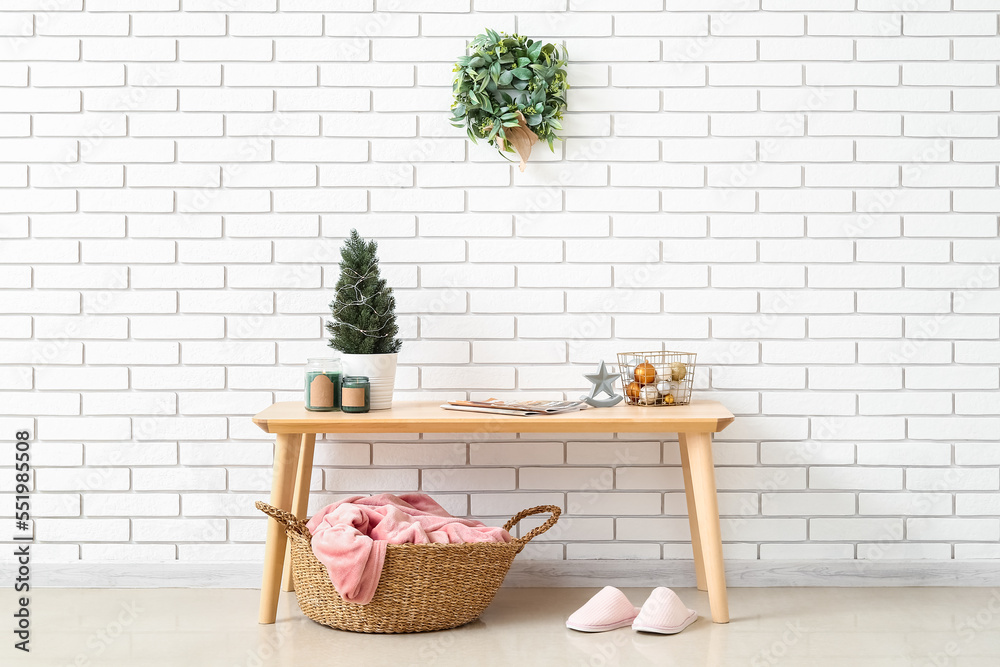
[{"x": 604, "y": 382}]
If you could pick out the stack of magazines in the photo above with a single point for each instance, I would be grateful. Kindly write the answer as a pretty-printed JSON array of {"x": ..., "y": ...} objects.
[{"x": 519, "y": 408}]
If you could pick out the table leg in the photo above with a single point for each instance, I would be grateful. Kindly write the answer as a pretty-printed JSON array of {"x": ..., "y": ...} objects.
[
  {"x": 699, "y": 451},
  {"x": 300, "y": 501},
  {"x": 699, "y": 563},
  {"x": 286, "y": 453}
]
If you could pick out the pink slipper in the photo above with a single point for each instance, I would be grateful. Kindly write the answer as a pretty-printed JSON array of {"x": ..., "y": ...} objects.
[
  {"x": 607, "y": 610},
  {"x": 663, "y": 613}
]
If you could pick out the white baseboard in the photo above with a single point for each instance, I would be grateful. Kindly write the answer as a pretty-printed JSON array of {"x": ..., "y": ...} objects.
[
  {"x": 757, "y": 573},
  {"x": 551, "y": 573}
]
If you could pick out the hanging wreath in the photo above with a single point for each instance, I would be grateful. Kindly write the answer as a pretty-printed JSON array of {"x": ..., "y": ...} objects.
[{"x": 510, "y": 91}]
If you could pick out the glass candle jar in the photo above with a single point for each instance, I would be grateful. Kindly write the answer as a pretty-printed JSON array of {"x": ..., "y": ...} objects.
[
  {"x": 323, "y": 384},
  {"x": 356, "y": 394}
]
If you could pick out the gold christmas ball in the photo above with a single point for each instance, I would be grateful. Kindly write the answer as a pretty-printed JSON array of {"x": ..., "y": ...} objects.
[
  {"x": 645, "y": 373},
  {"x": 678, "y": 370},
  {"x": 648, "y": 395},
  {"x": 632, "y": 390},
  {"x": 668, "y": 399}
]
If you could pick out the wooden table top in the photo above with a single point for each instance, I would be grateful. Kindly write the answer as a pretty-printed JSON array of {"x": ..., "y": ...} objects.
[{"x": 430, "y": 417}]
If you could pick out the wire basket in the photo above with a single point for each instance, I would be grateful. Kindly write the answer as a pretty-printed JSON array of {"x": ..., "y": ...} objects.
[{"x": 657, "y": 378}]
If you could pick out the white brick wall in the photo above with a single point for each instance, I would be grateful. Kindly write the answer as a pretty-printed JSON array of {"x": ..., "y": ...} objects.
[{"x": 807, "y": 198}]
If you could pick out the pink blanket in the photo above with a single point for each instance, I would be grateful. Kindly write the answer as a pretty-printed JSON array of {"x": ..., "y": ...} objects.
[{"x": 349, "y": 537}]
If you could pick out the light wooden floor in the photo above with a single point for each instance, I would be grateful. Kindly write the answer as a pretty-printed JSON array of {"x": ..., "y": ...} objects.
[{"x": 819, "y": 627}]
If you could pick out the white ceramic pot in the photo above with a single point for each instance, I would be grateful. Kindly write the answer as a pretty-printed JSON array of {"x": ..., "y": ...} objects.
[{"x": 380, "y": 369}]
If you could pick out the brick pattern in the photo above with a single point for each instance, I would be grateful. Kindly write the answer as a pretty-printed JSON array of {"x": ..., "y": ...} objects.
[{"x": 803, "y": 193}]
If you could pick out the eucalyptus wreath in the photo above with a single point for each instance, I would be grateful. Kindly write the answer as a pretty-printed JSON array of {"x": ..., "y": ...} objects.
[{"x": 508, "y": 82}]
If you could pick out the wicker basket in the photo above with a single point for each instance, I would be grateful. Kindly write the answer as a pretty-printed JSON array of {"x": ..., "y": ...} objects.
[
  {"x": 423, "y": 587},
  {"x": 674, "y": 377}
]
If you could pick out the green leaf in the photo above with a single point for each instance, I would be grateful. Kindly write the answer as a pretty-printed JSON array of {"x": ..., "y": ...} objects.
[
  {"x": 476, "y": 62},
  {"x": 534, "y": 119},
  {"x": 495, "y": 71},
  {"x": 543, "y": 71},
  {"x": 554, "y": 122},
  {"x": 505, "y": 78},
  {"x": 522, "y": 73},
  {"x": 472, "y": 136},
  {"x": 523, "y": 62},
  {"x": 534, "y": 50}
]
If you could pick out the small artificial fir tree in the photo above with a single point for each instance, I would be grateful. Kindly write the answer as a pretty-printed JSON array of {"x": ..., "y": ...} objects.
[{"x": 364, "y": 309}]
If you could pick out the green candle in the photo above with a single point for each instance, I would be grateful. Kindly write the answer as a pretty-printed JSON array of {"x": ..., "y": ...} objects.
[
  {"x": 322, "y": 384},
  {"x": 322, "y": 391},
  {"x": 356, "y": 393}
]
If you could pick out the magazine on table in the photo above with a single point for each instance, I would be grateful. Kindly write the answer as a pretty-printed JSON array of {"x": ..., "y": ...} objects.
[{"x": 519, "y": 408}]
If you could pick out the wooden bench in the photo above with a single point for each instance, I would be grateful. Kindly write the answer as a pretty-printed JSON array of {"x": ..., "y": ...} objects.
[{"x": 296, "y": 429}]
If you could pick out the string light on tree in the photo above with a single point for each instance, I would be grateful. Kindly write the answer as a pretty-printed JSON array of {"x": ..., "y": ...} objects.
[{"x": 364, "y": 308}]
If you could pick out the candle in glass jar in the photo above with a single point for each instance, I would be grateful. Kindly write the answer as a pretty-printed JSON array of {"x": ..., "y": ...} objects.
[
  {"x": 356, "y": 394},
  {"x": 322, "y": 390}
]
